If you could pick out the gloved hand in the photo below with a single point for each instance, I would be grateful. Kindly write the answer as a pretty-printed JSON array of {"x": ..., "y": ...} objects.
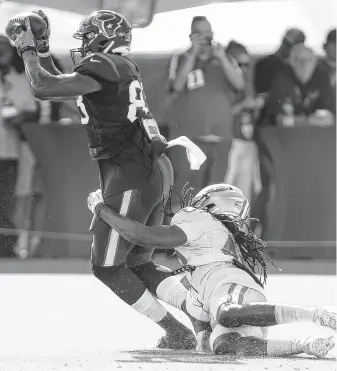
[
  {"x": 21, "y": 36},
  {"x": 94, "y": 199},
  {"x": 42, "y": 44}
]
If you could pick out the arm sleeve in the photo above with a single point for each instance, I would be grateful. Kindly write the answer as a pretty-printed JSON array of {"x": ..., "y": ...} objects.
[{"x": 99, "y": 67}]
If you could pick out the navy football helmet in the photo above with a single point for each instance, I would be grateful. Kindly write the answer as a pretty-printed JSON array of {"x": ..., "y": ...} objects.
[{"x": 103, "y": 31}]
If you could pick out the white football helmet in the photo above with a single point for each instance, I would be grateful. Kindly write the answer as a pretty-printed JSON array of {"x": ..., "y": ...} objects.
[{"x": 223, "y": 199}]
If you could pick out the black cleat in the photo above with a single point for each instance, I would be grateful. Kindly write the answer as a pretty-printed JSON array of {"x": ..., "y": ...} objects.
[{"x": 178, "y": 340}]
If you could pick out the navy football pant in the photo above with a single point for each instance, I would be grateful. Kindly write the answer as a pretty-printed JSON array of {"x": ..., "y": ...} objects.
[
  {"x": 137, "y": 193},
  {"x": 110, "y": 252}
]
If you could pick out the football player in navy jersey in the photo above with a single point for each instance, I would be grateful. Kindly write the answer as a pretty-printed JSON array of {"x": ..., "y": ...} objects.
[{"x": 124, "y": 139}]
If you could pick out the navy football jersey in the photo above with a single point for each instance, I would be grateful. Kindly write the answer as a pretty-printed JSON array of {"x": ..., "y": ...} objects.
[{"x": 111, "y": 115}]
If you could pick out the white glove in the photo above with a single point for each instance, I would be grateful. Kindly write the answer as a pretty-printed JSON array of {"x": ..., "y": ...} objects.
[
  {"x": 21, "y": 36},
  {"x": 94, "y": 199}
]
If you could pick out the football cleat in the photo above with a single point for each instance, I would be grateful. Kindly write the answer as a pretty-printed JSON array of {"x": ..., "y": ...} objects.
[
  {"x": 325, "y": 317},
  {"x": 185, "y": 341},
  {"x": 318, "y": 346}
]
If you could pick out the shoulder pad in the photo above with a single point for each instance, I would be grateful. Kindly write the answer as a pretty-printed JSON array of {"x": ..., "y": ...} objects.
[
  {"x": 99, "y": 66},
  {"x": 188, "y": 214}
]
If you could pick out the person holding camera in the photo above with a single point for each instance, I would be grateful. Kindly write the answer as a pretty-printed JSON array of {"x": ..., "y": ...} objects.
[{"x": 203, "y": 83}]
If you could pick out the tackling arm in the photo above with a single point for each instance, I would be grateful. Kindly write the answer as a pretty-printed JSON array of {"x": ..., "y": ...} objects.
[
  {"x": 159, "y": 237},
  {"x": 46, "y": 86}
]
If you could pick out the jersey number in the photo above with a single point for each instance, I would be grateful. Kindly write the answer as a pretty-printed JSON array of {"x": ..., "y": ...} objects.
[
  {"x": 83, "y": 111},
  {"x": 137, "y": 101}
]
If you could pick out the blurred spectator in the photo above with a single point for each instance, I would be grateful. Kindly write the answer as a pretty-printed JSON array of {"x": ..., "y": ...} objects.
[
  {"x": 243, "y": 164},
  {"x": 204, "y": 82},
  {"x": 301, "y": 94},
  {"x": 17, "y": 105},
  {"x": 265, "y": 71},
  {"x": 267, "y": 68},
  {"x": 328, "y": 64},
  {"x": 21, "y": 183},
  {"x": 49, "y": 111}
]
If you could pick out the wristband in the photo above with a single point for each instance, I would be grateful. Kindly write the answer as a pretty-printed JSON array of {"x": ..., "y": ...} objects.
[
  {"x": 26, "y": 48},
  {"x": 44, "y": 55}
]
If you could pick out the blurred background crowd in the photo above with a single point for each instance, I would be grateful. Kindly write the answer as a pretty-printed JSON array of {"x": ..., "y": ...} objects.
[{"x": 238, "y": 107}]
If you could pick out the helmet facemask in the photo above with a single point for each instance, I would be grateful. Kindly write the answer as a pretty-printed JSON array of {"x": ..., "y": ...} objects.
[{"x": 85, "y": 49}]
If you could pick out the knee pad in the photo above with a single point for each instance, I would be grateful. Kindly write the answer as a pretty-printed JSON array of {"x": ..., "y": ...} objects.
[
  {"x": 228, "y": 315},
  {"x": 225, "y": 297},
  {"x": 232, "y": 312}
]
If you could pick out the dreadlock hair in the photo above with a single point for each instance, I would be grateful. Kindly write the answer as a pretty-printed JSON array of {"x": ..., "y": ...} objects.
[
  {"x": 251, "y": 247},
  {"x": 185, "y": 199}
]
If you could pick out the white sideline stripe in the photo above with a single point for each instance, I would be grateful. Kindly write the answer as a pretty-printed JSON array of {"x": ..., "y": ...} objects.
[{"x": 114, "y": 235}]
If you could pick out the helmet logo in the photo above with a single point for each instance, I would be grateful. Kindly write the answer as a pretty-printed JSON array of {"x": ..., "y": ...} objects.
[
  {"x": 108, "y": 26},
  {"x": 238, "y": 204}
]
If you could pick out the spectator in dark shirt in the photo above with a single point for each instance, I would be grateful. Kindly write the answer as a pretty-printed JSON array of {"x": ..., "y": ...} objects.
[
  {"x": 328, "y": 64},
  {"x": 268, "y": 67},
  {"x": 301, "y": 93}
]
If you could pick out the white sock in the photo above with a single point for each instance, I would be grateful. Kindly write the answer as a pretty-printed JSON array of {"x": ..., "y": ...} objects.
[
  {"x": 172, "y": 291},
  {"x": 283, "y": 347},
  {"x": 285, "y": 313},
  {"x": 150, "y": 307}
]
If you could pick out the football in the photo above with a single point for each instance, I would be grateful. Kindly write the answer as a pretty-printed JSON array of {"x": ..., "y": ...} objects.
[{"x": 38, "y": 25}]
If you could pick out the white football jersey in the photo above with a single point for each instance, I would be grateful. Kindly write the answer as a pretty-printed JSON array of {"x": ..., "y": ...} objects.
[{"x": 208, "y": 240}]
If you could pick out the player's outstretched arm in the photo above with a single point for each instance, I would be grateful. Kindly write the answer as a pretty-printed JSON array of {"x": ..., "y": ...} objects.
[
  {"x": 42, "y": 47},
  {"x": 46, "y": 85},
  {"x": 48, "y": 64},
  {"x": 159, "y": 237}
]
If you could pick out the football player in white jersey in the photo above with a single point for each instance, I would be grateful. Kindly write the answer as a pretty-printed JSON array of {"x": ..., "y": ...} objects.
[{"x": 221, "y": 256}]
